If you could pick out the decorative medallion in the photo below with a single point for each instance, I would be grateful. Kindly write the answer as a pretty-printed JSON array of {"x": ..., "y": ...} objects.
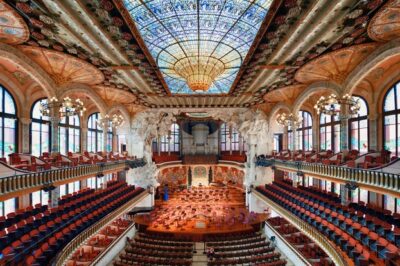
[
  {"x": 64, "y": 68},
  {"x": 385, "y": 25},
  {"x": 13, "y": 29}
]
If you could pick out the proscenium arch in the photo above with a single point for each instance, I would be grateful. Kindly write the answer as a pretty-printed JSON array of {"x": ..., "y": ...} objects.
[
  {"x": 313, "y": 88},
  {"x": 31, "y": 68},
  {"x": 380, "y": 55},
  {"x": 70, "y": 88}
]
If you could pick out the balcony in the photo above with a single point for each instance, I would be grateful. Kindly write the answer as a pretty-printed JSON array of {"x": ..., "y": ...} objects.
[
  {"x": 383, "y": 181},
  {"x": 13, "y": 185}
]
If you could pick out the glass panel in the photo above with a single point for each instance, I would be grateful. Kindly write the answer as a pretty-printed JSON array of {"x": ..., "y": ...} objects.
[
  {"x": 176, "y": 31},
  {"x": 36, "y": 197},
  {"x": 337, "y": 139},
  {"x": 63, "y": 190},
  {"x": 9, "y": 206},
  {"x": 389, "y": 101},
  {"x": 9, "y": 136},
  {"x": 390, "y": 133},
  {"x": 9, "y": 105}
]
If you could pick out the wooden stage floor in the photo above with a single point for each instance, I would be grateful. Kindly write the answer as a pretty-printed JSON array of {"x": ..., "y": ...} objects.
[{"x": 200, "y": 212}]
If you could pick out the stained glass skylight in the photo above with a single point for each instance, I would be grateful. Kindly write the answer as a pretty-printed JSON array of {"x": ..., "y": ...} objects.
[{"x": 198, "y": 43}]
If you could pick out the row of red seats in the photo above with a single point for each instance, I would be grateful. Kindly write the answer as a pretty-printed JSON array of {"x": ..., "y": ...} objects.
[
  {"x": 336, "y": 227},
  {"x": 46, "y": 161},
  {"x": 154, "y": 249},
  {"x": 37, "y": 229}
]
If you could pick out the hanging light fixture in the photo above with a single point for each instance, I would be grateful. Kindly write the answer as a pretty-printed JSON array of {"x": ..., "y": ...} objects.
[
  {"x": 67, "y": 107},
  {"x": 289, "y": 120},
  {"x": 332, "y": 105},
  {"x": 114, "y": 122}
]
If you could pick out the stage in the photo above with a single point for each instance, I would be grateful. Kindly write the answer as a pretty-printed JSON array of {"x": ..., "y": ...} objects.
[{"x": 201, "y": 212}]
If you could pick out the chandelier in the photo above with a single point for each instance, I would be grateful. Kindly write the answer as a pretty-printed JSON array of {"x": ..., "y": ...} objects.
[
  {"x": 199, "y": 72},
  {"x": 67, "y": 107},
  {"x": 331, "y": 105},
  {"x": 114, "y": 122},
  {"x": 289, "y": 120}
]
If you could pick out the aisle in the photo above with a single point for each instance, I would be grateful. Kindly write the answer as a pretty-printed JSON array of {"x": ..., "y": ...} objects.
[{"x": 199, "y": 259}]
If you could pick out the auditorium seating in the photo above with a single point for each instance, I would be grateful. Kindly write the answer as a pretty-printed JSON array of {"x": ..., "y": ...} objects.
[
  {"x": 35, "y": 235},
  {"x": 364, "y": 237},
  {"x": 153, "y": 249},
  {"x": 243, "y": 248},
  {"x": 302, "y": 243}
]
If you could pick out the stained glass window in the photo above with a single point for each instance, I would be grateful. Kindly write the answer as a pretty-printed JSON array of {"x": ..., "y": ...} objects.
[
  {"x": 69, "y": 135},
  {"x": 95, "y": 134},
  {"x": 358, "y": 127},
  {"x": 8, "y": 123},
  {"x": 171, "y": 142},
  {"x": 391, "y": 120},
  {"x": 329, "y": 133},
  {"x": 212, "y": 36},
  {"x": 40, "y": 130},
  {"x": 230, "y": 139},
  {"x": 304, "y": 132}
]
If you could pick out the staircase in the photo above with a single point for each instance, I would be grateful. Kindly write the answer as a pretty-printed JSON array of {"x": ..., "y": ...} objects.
[{"x": 199, "y": 258}]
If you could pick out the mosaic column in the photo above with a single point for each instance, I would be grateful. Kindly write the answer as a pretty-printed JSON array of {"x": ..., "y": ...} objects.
[
  {"x": 315, "y": 132},
  {"x": 84, "y": 137},
  {"x": 105, "y": 135},
  {"x": 55, "y": 120},
  {"x": 25, "y": 123},
  {"x": 373, "y": 132},
  {"x": 344, "y": 128},
  {"x": 114, "y": 140}
]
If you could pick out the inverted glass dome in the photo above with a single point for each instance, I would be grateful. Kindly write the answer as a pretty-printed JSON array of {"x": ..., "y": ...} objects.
[{"x": 199, "y": 45}]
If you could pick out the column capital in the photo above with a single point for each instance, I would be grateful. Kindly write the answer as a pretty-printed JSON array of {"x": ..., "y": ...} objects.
[{"x": 25, "y": 120}]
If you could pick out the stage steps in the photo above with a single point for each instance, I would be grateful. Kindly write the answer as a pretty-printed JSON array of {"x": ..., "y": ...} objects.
[{"x": 199, "y": 258}]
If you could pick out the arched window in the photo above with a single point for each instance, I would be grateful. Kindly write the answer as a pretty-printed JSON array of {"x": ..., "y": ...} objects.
[
  {"x": 69, "y": 134},
  {"x": 358, "y": 128},
  {"x": 231, "y": 140},
  {"x": 391, "y": 120},
  {"x": 40, "y": 130},
  {"x": 8, "y": 123},
  {"x": 95, "y": 134},
  {"x": 304, "y": 132},
  {"x": 171, "y": 142},
  {"x": 329, "y": 133}
]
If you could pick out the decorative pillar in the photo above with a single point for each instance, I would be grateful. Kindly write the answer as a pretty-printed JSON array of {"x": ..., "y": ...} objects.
[
  {"x": 55, "y": 120},
  {"x": 114, "y": 147},
  {"x": 251, "y": 165},
  {"x": 105, "y": 135},
  {"x": 373, "y": 132},
  {"x": 315, "y": 132},
  {"x": 84, "y": 137},
  {"x": 53, "y": 197},
  {"x": 285, "y": 139},
  {"x": 294, "y": 137},
  {"x": 25, "y": 123},
  {"x": 344, "y": 128}
]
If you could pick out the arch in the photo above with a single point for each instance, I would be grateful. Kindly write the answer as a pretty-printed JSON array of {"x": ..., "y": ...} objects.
[
  {"x": 30, "y": 67},
  {"x": 313, "y": 88},
  {"x": 275, "y": 109},
  {"x": 70, "y": 88},
  {"x": 380, "y": 55},
  {"x": 122, "y": 109}
]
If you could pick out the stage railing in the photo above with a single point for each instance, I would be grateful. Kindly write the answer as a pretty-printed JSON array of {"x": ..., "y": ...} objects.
[
  {"x": 331, "y": 250},
  {"x": 11, "y": 186},
  {"x": 371, "y": 178},
  {"x": 75, "y": 243}
]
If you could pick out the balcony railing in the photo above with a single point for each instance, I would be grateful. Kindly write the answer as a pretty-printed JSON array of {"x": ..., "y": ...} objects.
[
  {"x": 322, "y": 241},
  {"x": 10, "y": 186},
  {"x": 370, "y": 178}
]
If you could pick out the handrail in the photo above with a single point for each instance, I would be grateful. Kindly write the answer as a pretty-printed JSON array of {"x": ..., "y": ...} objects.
[
  {"x": 307, "y": 229},
  {"x": 11, "y": 185},
  {"x": 372, "y": 178},
  {"x": 64, "y": 254},
  {"x": 292, "y": 248}
]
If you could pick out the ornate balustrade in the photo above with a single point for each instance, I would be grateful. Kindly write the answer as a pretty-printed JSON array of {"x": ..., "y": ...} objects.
[
  {"x": 11, "y": 186},
  {"x": 388, "y": 182},
  {"x": 330, "y": 249}
]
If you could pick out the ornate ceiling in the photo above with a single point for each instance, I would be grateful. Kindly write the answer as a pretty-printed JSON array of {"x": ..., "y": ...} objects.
[{"x": 146, "y": 50}]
